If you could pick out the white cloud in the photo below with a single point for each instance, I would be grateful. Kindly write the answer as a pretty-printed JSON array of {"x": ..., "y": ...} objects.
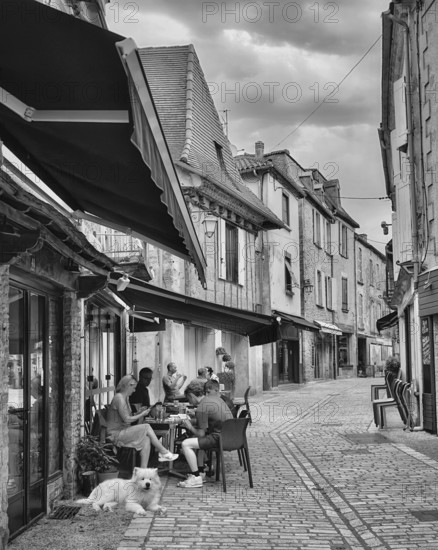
[{"x": 271, "y": 71}]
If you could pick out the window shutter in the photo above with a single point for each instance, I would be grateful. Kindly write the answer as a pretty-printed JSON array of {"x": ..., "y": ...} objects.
[
  {"x": 222, "y": 262},
  {"x": 401, "y": 126},
  {"x": 316, "y": 289},
  {"x": 323, "y": 286},
  {"x": 334, "y": 294},
  {"x": 242, "y": 259}
]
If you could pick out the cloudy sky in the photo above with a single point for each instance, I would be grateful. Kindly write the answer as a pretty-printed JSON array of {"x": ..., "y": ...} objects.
[{"x": 295, "y": 75}]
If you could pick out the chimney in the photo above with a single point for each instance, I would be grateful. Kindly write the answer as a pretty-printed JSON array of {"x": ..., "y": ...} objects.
[{"x": 259, "y": 149}]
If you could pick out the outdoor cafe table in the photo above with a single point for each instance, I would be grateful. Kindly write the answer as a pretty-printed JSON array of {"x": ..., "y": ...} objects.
[{"x": 167, "y": 428}]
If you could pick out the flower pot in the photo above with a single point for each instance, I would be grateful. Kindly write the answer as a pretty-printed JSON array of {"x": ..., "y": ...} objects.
[
  {"x": 89, "y": 482},
  {"x": 109, "y": 474}
]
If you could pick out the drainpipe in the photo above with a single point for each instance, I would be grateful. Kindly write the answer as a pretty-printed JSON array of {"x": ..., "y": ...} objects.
[
  {"x": 413, "y": 193},
  {"x": 410, "y": 146}
]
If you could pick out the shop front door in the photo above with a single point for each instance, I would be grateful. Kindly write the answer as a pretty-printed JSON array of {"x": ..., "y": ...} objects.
[{"x": 26, "y": 416}]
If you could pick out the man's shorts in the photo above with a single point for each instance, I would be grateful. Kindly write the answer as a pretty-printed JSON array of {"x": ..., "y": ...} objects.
[{"x": 208, "y": 441}]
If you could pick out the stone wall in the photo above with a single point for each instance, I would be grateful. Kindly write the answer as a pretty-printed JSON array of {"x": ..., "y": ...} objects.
[
  {"x": 4, "y": 450},
  {"x": 72, "y": 389}
]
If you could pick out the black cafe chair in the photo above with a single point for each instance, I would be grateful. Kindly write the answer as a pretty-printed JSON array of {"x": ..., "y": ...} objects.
[{"x": 233, "y": 438}]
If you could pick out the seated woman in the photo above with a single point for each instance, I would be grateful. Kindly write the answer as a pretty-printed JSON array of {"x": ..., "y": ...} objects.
[{"x": 121, "y": 432}]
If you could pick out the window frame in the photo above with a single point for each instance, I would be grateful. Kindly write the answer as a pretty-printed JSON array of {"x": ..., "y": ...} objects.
[
  {"x": 231, "y": 255},
  {"x": 288, "y": 274},
  {"x": 343, "y": 240},
  {"x": 329, "y": 292},
  {"x": 285, "y": 208},
  {"x": 319, "y": 288},
  {"x": 317, "y": 229},
  {"x": 328, "y": 238},
  {"x": 359, "y": 265},
  {"x": 344, "y": 294}
]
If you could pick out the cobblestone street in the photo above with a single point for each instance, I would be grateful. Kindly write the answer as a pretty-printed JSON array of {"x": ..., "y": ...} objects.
[{"x": 324, "y": 478}]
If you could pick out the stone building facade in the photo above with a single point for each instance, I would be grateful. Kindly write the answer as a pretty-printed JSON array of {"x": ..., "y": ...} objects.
[{"x": 407, "y": 137}]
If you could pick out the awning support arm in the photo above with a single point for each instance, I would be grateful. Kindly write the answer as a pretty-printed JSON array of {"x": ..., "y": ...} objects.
[{"x": 30, "y": 114}]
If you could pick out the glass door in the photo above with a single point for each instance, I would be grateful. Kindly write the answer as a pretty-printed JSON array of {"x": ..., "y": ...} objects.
[{"x": 26, "y": 406}]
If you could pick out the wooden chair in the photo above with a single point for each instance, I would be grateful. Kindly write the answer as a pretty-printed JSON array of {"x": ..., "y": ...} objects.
[
  {"x": 243, "y": 402},
  {"x": 380, "y": 405},
  {"x": 233, "y": 438},
  {"x": 126, "y": 456}
]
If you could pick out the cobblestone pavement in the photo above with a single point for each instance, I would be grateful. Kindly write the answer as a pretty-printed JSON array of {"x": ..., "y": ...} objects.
[{"x": 324, "y": 478}]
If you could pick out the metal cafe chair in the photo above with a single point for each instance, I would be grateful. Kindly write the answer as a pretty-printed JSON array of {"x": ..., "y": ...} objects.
[{"x": 233, "y": 438}]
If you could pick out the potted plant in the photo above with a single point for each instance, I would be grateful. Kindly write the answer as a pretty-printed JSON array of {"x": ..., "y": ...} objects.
[
  {"x": 228, "y": 378},
  {"x": 93, "y": 455}
]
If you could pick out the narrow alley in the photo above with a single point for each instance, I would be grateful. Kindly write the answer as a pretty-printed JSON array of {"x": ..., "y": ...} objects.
[{"x": 324, "y": 478}]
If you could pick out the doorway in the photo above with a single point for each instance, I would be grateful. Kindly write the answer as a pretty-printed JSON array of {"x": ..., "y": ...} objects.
[
  {"x": 429, "y": 385},
  {"x": 289, "y": 355},
  {"x": 33, "y": 365},
  {"x": 361, "y": 354}
]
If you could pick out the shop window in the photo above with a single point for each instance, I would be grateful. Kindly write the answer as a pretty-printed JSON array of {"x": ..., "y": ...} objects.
[
  {"x": 343, "y": 350},
  {"x": 54, "y": 379},
  {"x": 102, "y": 365}
]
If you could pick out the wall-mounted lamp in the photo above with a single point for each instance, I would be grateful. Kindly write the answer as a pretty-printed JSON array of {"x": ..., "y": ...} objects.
[
  {"x": 385, "y": 226},
  {"x": 307, "y": 286},
  {"x": 123, "y": 282},
  {"x": 209, "y": 224},
  {"x": 278, "y": 319}
]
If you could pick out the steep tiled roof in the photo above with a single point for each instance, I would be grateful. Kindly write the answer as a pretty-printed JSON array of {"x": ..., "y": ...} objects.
[
  {"x": 190, "y": 121},
  {"x": 247, "y": 162}
]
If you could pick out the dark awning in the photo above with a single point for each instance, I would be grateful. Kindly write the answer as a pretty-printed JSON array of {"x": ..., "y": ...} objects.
[
  {"x": 282, "y": 324},
  {"x": 387, "y": 321},
  {"x": 178, "y": 307},
  {"x": 297, "y": 321},
  {"x": 67, "y": 112},
  {"x": 145, "y": 323},
  {"x": 329, "y": 328}
]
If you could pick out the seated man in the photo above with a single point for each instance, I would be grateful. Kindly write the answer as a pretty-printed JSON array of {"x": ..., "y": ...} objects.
[
  {"x": 172, "y": 383},
  {"x": 202, "y": 376},
  {"x": 141, "y": 395},
  {"x": 211, "y": 412}
]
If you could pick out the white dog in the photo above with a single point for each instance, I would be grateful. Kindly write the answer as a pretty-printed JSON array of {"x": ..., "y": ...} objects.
[{"x": 140, "y": 493}]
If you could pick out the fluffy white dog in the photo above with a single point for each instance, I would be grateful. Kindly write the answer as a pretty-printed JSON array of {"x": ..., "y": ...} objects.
[{"x": 140, "y": 493}]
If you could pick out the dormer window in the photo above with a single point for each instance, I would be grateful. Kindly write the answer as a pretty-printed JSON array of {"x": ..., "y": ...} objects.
[{"x": 220, "y": 156}]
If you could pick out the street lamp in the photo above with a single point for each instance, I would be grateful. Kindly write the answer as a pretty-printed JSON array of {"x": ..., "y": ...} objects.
[
  {"x": 209, "y": 223},
  {"x": 307, "y": 285},
  {"x": 385, "y": 226}
]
